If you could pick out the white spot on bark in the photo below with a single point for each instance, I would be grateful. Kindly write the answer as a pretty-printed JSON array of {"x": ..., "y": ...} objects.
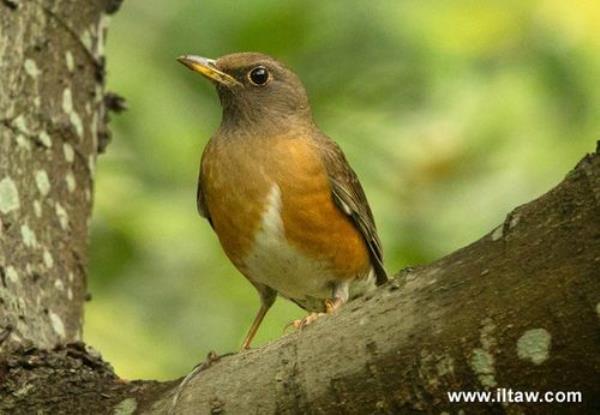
[
  {"x": 58, "y": 284},
  {"x": 12, "y": 274},
  {"x": 20, "y": 124},
  {"x": 28, "y": 236},
  {"x": 598, "y": 309},
  {"x": 45, "y": 139},
  {"x": 23, "y": 142},
  {"x": 9, "y": 196},
  {"x": 70, "y": 61},
  {"x": 31, "y": 68},
  {"x": 534, "y": 345},
  {"x": 37, "y": 101},
  {"x": 99, "y": 93},
  {"x": 487, "y": 340},
  {"x": 92, "y": 164},
  {"x": 42, "y": 182},
  {"x": 86, "y": 39},
  {"x": 76, "y": 121},
  {"x": 63, "y": 217},
  {"x": 71, "y": 277},
  {"x": 102, "y": 27},
  {"x": 514, "y": 220},
  {"x": 69, "y": 152},
  {"x": 57, "y": 324},
  {"x": 498, "y": 233},
  {"x": 482, "y": 363},
  {"x": 37, "y": 208},
  {"x": 67, "y": 102},
  {"x": 67, "y": 105},
  {"x": 71, "y": 183},
  {"x": 94, "y": 130},
  {"x": 126, "y": 407},
  {"x": 482, "y": 360},
  {"x": 70, "y": 294},
  {"x": 48, "y": 260}
]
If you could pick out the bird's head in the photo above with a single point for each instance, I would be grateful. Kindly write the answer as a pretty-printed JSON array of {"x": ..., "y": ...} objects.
[{"x": 254, "y": 88}]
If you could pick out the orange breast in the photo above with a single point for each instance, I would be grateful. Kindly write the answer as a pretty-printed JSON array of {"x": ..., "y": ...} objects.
[
  {"x": 236, "y": 179},
  {"x": 312, "y": 221}
]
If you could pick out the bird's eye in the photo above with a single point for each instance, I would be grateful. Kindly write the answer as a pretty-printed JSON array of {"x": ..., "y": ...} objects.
[{"x": 259, "y": 75}]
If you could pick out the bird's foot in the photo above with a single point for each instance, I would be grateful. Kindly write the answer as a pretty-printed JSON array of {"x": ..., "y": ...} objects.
[
  {"x": 301, "y": 323},
  {"x": 332, "y": 305}
]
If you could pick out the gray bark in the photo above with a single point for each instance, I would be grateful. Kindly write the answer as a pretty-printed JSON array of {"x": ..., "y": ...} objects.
[
  {"x": 51, "y": 117},
  {"x": 519, "y": 308}
]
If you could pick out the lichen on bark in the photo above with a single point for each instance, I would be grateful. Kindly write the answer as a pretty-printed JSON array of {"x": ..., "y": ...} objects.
[{"x": 51, "y": 109}]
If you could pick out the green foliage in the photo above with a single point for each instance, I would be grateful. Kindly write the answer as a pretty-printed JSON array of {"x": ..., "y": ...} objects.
[{"x": 452, "y": 113}]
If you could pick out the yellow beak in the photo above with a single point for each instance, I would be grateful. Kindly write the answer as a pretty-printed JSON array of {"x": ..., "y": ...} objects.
[{"x": 207, "y": 68}]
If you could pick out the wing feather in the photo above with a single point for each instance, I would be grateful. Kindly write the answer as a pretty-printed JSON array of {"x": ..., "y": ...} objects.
[{"x": 350, "y": 197}]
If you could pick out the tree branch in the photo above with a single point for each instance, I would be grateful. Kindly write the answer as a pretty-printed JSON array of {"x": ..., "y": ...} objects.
[{"x": 517, "y": 309}]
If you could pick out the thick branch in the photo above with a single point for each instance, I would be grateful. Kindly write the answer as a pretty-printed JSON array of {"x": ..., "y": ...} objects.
[{"x": 517, "y": 309}]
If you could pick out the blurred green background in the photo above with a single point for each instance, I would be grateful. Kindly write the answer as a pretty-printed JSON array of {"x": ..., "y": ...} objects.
[{"x": 452, "y": 113}]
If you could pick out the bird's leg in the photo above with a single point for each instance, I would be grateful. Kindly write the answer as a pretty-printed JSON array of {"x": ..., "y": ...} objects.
[
  {"x": 333, "y": 304},
  {"x": 267, "y": 297},
  {"x": 254, "y": 327}
]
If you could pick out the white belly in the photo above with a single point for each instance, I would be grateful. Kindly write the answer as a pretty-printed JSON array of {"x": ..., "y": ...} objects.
[
  {"x": 279, "y": 265},
  {"x": 275, "y": 263}
]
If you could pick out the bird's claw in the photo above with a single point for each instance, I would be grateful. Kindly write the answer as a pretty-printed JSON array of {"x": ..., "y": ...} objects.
[
  {"x": 331, "y": 306},
  {"x": 301, "y": 323}
]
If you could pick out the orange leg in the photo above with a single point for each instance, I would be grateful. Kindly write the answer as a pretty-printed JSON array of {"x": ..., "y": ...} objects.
[
  {"x": 267, "y": 298},
  {"x": 332, "y": 305},
  {"x": 255, "y": 325}
]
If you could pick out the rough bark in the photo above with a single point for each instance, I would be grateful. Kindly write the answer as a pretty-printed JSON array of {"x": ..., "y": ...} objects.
[
  {"x": 51, "y": 119},
  {"x": 519, "y": 308}
]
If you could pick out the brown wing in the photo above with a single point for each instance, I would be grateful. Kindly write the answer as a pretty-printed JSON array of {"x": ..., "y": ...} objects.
[
  {"x": 349, "y": 196},
  {"x": 200, "y": 202}
]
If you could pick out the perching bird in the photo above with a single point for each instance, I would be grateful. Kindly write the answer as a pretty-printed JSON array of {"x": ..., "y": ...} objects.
[{"x": 287, "y": 208}]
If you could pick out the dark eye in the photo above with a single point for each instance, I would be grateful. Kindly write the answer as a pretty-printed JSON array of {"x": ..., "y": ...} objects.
[{"x": 259, "y": 75}]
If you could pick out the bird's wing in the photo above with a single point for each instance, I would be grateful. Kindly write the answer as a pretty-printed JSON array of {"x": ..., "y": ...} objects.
[
  {"x": 349, "y": 196},
  {"x": 200, "y": 202}
]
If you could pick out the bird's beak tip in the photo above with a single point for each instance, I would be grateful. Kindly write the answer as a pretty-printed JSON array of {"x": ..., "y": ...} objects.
[
  {"x": 193, "y": 61},
  {"x": 208, "y": 68}
]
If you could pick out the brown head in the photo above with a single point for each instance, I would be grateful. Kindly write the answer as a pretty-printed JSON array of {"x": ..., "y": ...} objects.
[{"x": 256, "y": 91}]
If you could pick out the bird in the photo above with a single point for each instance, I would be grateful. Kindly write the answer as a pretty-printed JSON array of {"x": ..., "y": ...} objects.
[{"x": 287, "y": 208}]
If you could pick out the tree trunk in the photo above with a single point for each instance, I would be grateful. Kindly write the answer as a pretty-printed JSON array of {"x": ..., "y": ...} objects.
[
  {"x": 51, "y": 119},
  {"x": 518, "y": 309}
]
